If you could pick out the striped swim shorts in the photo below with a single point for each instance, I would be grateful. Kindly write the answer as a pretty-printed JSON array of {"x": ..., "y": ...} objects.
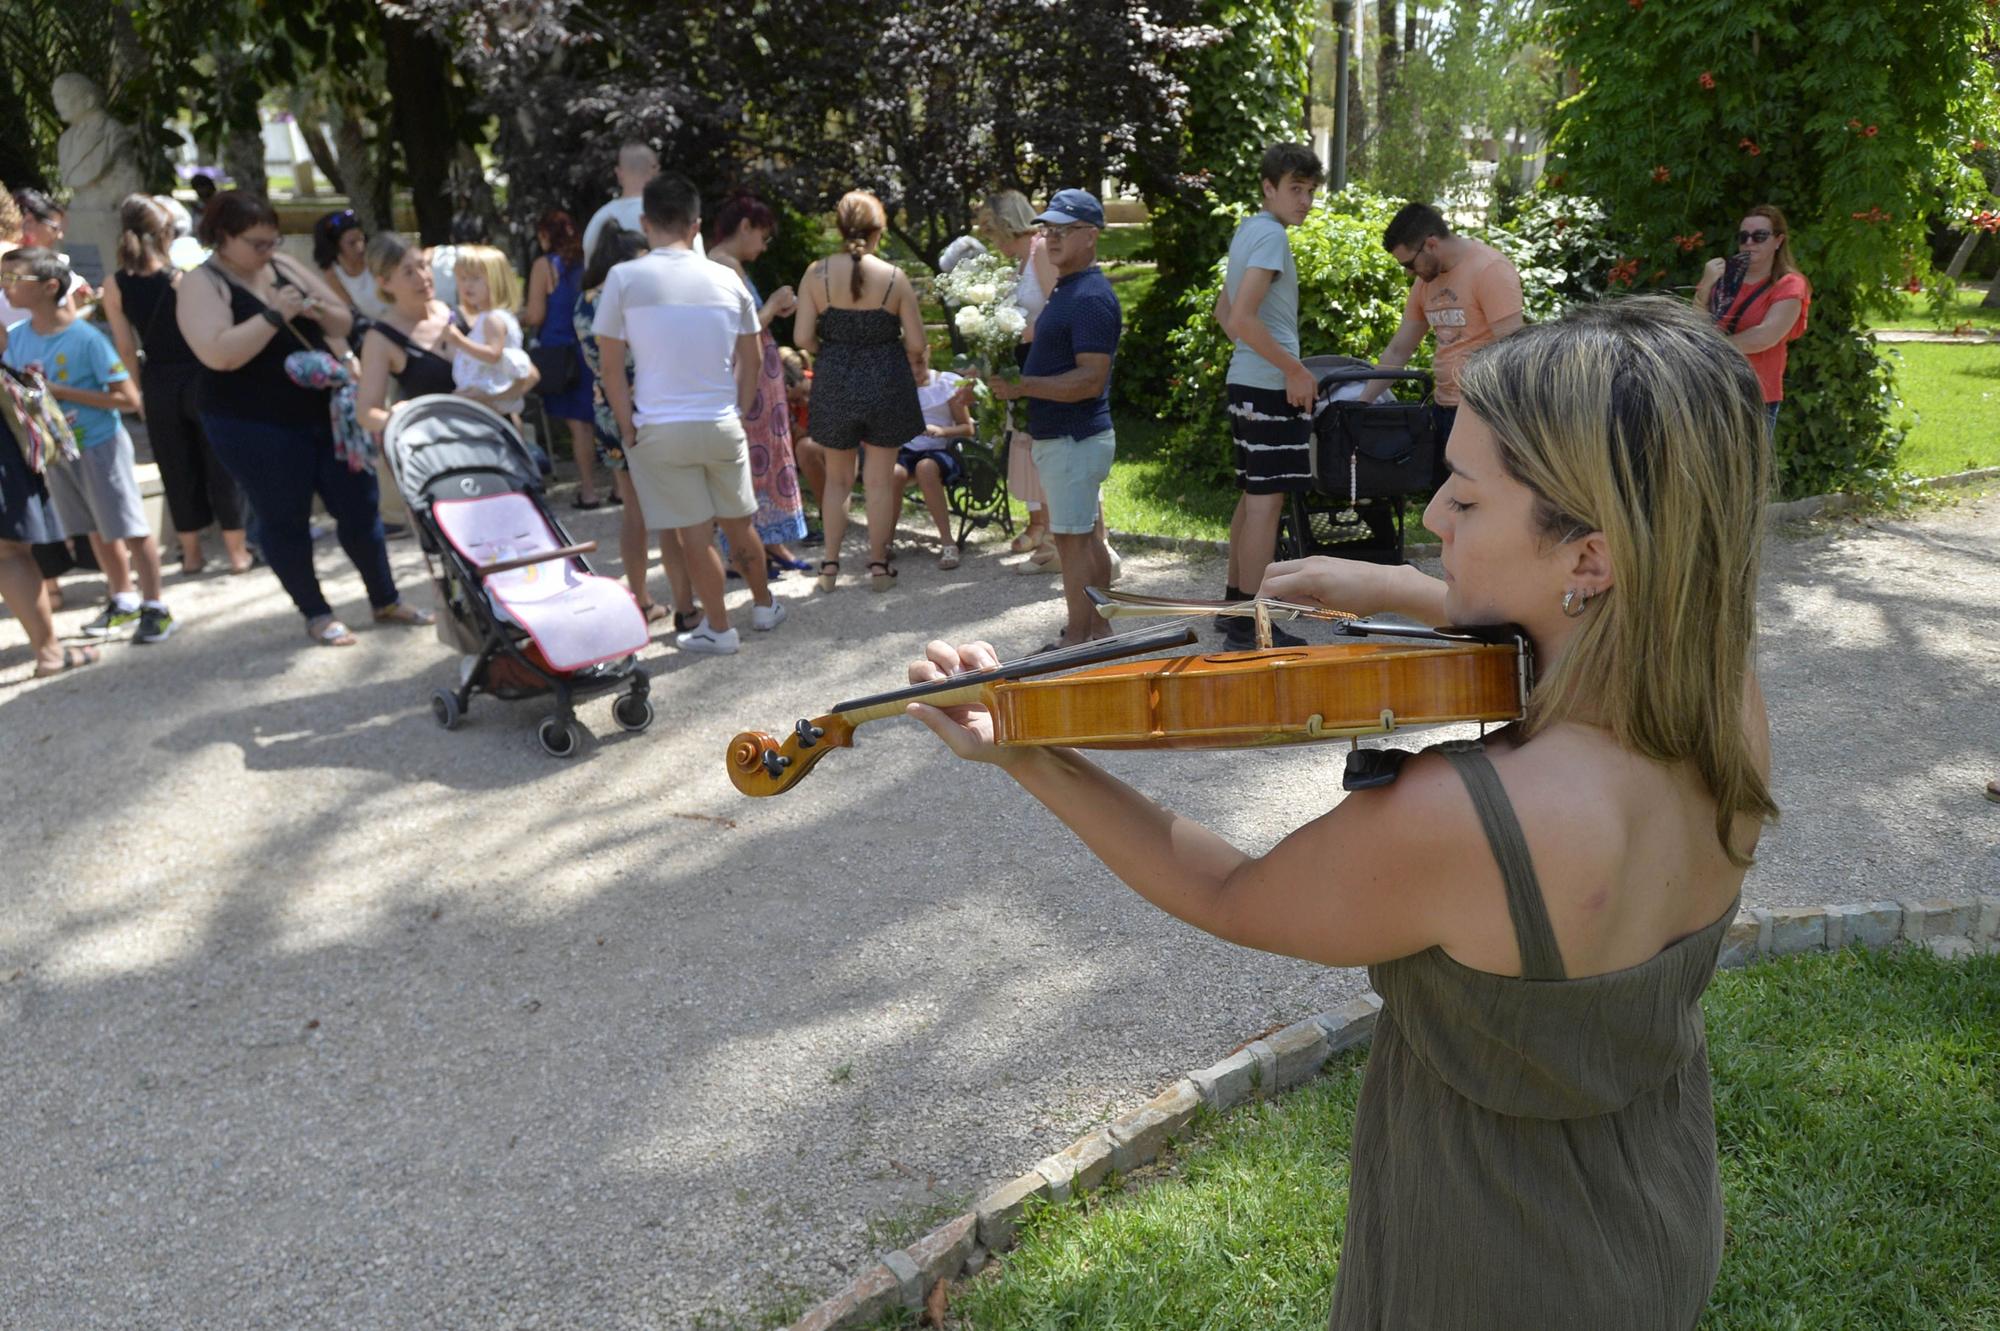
[{"x": 1273, "y": 441}]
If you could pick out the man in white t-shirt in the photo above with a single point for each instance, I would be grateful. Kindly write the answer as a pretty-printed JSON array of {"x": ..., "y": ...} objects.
[
  {"x": 637, "y": 164},
  {"x": 693, "y": 333}
]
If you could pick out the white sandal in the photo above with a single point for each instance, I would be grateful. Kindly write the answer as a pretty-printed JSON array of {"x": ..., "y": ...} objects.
[{"x": 948, "y": 557}]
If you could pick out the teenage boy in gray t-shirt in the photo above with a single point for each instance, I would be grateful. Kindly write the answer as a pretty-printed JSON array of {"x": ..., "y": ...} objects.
[{"x": 1270, "y": 391}]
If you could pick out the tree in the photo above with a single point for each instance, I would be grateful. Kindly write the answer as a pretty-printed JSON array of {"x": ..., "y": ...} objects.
[{"x": 1848, "y": 114}]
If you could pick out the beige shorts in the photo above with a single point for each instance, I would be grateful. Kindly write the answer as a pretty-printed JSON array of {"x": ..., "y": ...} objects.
[{"x": 688, "y": 472}]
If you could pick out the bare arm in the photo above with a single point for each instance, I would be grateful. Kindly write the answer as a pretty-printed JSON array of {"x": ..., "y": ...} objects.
[
  {"x": 1777, "y": 322},
  {"x": 330, "y": 311},
  {"x": 218, "y": 341},
  {"x": 541, "y": 281},
  {"x": 915, "y": 341},
  {"x": 1243, "y": 325},
  {"x": 371, "y": 395},
  {"x": 1081, "y": 384},
  {"x": 749, "y": 369},
  {"x": 1409, "y": 336},
  {"x": 1357, "y": 586},
  {"x": 487, "y": 348},
  {"x": 1711, "y": 272},
  {"x": 1378, "y": 877},
  {"x": 121, "y": 328},
  {"x": 805, "y": 328},
  {"x": 617, "y": 392},
  {"x": 1221, "y": 310}
]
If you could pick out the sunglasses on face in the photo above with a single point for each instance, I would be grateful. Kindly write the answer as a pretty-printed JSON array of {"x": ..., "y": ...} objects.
[{"x": 1757, "y": 237}]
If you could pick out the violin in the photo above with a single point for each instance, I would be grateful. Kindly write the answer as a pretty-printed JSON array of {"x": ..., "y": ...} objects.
[{"x": 1392, "y": 677}]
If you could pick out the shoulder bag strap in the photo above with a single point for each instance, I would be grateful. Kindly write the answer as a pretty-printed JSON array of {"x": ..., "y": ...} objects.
[{"x": 1737, "y": 312}]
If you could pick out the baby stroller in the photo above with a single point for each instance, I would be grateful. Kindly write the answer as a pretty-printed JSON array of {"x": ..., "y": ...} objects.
[
  {"x": 1368, "y": 458},
  {"x": 520, "y": 602}
]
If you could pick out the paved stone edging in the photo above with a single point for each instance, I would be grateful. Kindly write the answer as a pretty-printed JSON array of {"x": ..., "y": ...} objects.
[
  {"x": 1789, "y": 510},
  {"x": 963, "y": 1245}
]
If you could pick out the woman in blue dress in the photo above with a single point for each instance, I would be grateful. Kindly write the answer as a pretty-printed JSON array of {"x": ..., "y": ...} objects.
[{"x": 554, "y": 283}]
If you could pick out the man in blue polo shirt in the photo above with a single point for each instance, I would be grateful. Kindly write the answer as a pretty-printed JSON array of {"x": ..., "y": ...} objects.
[{"x": 1067, "y": 384}]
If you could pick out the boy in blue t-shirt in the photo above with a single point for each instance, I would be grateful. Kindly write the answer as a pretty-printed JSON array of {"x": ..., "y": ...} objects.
[
  {"x": 98, "y": 493},
  {"x": 1270, "y": 391}
]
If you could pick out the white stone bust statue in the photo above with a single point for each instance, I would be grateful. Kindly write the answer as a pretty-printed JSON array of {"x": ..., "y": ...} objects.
[{"x": 94, "y": 155}]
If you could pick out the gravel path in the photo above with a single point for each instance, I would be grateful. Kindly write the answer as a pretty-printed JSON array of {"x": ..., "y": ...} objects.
[{"x": 313, "y": 1015}]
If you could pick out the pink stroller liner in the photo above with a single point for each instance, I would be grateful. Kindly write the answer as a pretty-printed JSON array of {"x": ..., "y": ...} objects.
[{"x": 577, "y": 619}]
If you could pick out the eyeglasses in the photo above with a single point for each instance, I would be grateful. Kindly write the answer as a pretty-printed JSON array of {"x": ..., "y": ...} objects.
[
  {"x": 9, "y": 279},
  {"x": 261, "y": 246},
  {"x": 1064, "y": 232},
  {"x": 1757, "y": 237}
]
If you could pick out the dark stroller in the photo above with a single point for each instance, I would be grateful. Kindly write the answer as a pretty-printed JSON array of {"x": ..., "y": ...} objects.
[
  {"x": 1368, "y": 458},
  {"x": 520, "y": 602}
]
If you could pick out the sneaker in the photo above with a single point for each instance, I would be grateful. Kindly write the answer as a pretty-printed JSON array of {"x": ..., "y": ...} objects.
[
  {"x": 1241, "y": 635},
  {"x": 156, "y": 624},
  {"x": 111, "y": 620},
  {"x": 707, "y": 642},
  {"x": 764, "y": 618}
]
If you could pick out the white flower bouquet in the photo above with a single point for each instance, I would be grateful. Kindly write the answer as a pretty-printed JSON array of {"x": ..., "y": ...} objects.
[{"x": 978, "y": 295}]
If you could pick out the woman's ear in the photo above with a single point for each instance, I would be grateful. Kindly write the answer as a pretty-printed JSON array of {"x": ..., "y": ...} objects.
[{"x": 1590, "y": 563}]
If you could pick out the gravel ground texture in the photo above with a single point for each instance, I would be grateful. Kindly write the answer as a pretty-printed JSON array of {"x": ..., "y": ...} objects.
[{"x": 315, "y": 1015}]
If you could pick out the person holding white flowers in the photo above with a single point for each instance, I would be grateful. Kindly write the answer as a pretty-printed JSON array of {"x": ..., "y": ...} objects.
[
  {"x": 1067, "y": 382},
  {"x": 1009, "y": 222},
  {"x": 858, "y": 314}
]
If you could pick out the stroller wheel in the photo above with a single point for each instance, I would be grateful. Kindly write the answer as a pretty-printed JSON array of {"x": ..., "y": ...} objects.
[
  {"x": 632, "y": 712},
  {"x": 559, "y": 739},
  {"x": 444, "y": 707}
]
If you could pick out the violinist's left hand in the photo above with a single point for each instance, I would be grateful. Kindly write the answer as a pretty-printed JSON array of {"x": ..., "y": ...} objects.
[{"x": 967, "y": 730}]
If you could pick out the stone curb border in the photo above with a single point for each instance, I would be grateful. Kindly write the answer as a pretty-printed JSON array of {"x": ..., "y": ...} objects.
[
  {"x": 962, "y": 1246},
  {"x": 1793, "y": 510}
]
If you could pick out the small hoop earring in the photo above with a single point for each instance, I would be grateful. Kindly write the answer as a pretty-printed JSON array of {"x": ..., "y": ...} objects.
[{"x": 1575, "y": 603}]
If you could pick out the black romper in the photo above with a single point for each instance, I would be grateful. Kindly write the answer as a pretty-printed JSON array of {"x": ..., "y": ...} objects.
[{"x": 863, "y": 388}]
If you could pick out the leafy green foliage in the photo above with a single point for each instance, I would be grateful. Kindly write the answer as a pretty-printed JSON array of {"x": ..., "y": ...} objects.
[
  {"x": 1245, "y": 92},
  {"x": 1847, "y": 114}
]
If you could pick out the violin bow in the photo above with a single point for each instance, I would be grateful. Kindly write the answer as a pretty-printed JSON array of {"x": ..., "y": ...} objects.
[{"x": 1119, "y": 605}]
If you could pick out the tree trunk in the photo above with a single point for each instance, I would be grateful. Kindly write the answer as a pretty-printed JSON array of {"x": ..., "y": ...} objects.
[
  {"x": 1385, "y": 57},
  {"x": 421, "y": 96},
  {"x": 365, "y": 185},
  {"x": 1959, "y": 257},
  {"x": 243, "y": 160}
]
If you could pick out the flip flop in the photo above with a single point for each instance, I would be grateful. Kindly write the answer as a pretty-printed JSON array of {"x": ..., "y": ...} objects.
[
  {"x": 329, "y": 632},
  {"x": 408, "y": 615},
  {"x": 72, "y": 658}
]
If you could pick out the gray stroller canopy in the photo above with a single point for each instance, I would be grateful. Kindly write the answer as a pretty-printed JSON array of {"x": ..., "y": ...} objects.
[{"x": 439, "y": 434}]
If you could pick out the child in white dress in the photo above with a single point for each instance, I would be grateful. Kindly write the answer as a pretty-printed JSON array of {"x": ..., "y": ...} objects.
[{"x": 488, "y": 363}]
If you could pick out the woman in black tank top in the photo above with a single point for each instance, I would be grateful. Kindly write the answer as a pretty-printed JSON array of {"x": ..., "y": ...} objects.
[
  {"x": 406, "y": 353},
  {"x": 139, "y": 304},
  {"x": 243, "y": 313}
]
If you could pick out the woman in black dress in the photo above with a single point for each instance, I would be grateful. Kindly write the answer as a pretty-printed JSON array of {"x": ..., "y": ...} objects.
[
  {"x": 858, "y": 313},
  {"x": 139, "y": 307}
]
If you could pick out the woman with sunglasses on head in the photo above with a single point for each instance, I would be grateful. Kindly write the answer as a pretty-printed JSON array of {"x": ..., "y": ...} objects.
[
  {"x": 1759, "y": 298},
  {"x": 243, "y": 313},
  {"x": 340, "y": 249},
  {"x": 1535, "y": 1142}
]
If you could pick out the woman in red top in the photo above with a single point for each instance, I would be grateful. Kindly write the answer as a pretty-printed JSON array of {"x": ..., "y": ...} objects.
[{"x": 1760, "y": 303}]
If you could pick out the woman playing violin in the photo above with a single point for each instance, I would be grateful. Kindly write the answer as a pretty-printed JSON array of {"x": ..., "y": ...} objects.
[{"x": 1535, "y": 1142}]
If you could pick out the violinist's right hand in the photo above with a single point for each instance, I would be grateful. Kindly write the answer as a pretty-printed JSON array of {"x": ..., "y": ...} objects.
[
  {"x": 1356, "y": 586},
  {"x": 966, "y": 730}
]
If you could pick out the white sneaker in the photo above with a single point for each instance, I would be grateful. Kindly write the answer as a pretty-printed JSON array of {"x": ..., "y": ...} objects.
[
  {"x": 706, "y": 641},
  {"x": 764, "y": 618}
]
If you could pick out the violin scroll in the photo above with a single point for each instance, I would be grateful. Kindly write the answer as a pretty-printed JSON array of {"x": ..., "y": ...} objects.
[{"x": 761, "y": 764}]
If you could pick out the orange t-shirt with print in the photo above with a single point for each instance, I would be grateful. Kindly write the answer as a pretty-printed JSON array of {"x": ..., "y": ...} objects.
[
  {"x": 1461, "y": 307},
  {"x": 1750, "y": 308}
]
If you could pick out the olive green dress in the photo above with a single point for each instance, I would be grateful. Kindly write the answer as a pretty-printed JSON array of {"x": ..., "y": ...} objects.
[{"x": 1534, "y": 1151}]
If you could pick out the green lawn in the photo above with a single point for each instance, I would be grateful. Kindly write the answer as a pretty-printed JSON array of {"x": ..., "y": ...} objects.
[
  {"x": 1915, "y": 311},
  {"x": 1857, "y": 1105},
  {"x": 1951, "y": 406}
]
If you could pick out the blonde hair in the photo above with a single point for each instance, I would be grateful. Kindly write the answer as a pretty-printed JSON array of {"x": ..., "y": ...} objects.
[
  {"x": 144, "y": 227},
  {"x": 1637, "y": 419},
  {"x": 10, "y": 215},
  {"x": 860, "y": 217},
  {"x": 386, "y": 252},
  {"x": 503, "y": 288},
  {"x": 1010, "y": 211}
]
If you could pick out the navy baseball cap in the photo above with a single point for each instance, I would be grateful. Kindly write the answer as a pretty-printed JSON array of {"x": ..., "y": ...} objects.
[{"x": 1074, "y": 205}]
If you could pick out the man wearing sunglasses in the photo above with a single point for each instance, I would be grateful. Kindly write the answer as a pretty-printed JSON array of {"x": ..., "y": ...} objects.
[{"x": 1466, "y": 294}]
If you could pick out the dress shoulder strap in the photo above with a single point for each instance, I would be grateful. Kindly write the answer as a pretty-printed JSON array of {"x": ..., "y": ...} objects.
[
  {"x": 889, "y": 290},
  {"x": 1541, "y": 959}
]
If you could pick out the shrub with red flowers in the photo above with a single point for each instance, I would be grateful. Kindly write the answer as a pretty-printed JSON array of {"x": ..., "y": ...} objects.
[{"x": 1850, "y": 120}]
